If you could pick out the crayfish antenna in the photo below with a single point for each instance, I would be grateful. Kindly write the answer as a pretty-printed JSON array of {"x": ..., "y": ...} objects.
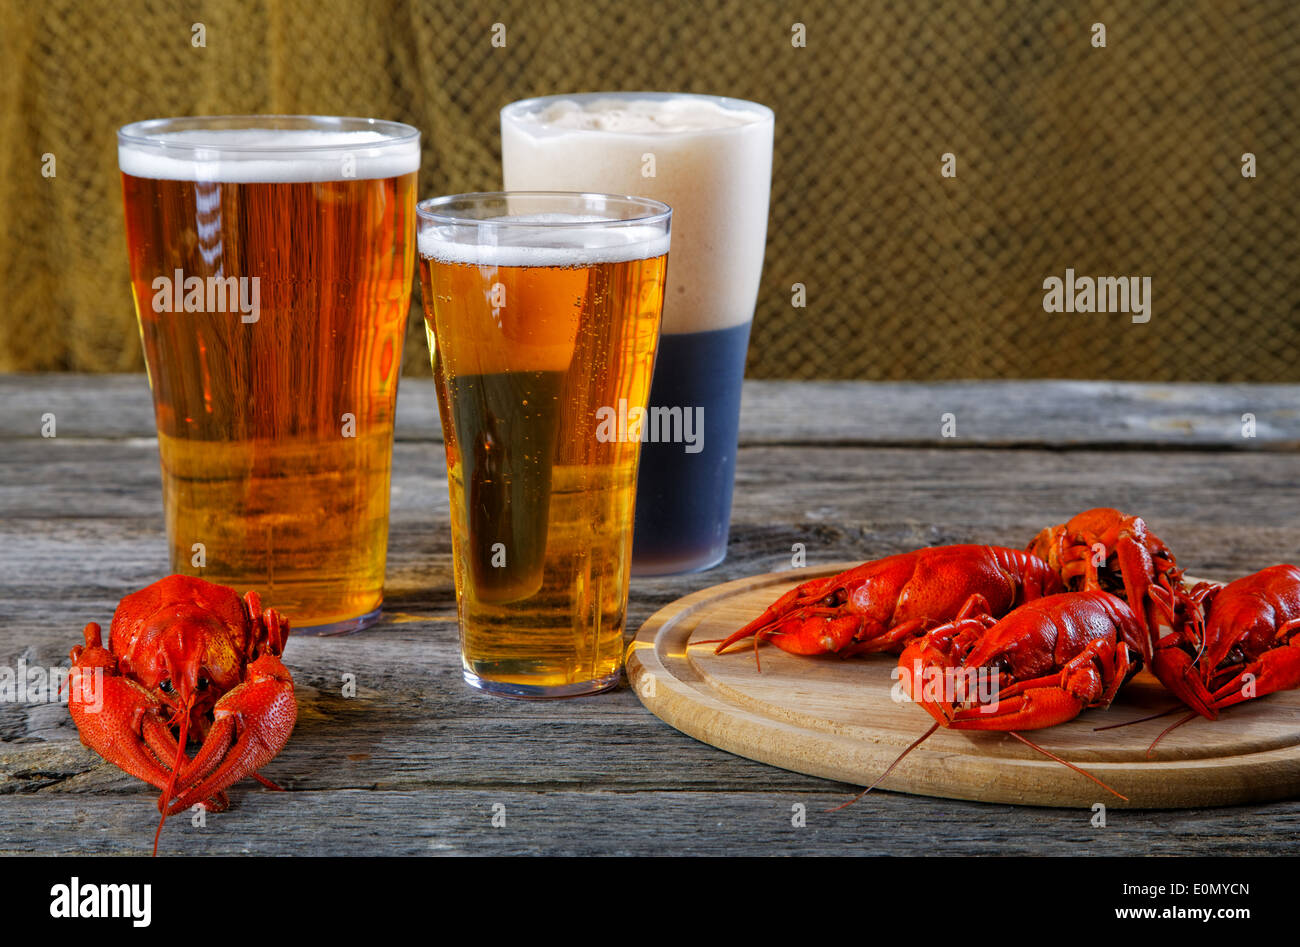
[
  {"x": 754, "y": 629},
  {"x": 1129, "y": 723},
  {"x": 881, "y": 778},
  {"x": 1081, "y": 772},
  {"x": 1170, "y": 729},
  {"x": 170, "y": 789},
  {"x": 758, "y": 637}
]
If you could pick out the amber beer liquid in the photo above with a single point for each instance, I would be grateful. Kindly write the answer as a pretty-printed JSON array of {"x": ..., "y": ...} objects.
[
  {"x": 538, "y": 334},
  {"x": 271, "y": 263}
]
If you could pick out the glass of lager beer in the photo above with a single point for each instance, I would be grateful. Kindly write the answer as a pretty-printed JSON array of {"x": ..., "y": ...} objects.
[
  {"x": 542, "y": 312},
  {"x": 710, "y": 159},
  {"x": 271, "y": 263}
]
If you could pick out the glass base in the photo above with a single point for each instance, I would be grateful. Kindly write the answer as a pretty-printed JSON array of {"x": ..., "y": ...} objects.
[
  {"x": 677, "y": 566},
  {"x": 535, "y": 692},
  {"x": 345, "y": 627}
]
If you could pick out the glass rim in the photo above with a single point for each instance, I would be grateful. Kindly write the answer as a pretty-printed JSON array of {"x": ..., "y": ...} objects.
[
  {"x": 656, "y": 212},
  {"x": 150, "y": 132},
  {"x": 514, "y": 109}
]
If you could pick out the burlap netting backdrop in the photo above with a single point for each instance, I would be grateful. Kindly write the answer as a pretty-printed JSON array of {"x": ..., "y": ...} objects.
[{"x": 1115, "y": 161}]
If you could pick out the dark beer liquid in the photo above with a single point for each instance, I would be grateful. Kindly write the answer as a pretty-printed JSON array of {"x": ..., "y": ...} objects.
[
  {"x": 683, "y": 500},
  {"x": 514, "y": 419}
]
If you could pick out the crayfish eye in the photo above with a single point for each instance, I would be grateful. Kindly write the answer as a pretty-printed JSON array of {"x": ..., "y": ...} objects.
[
  {"x": 202, "y": 684},
  {"x": 166, "y": 687},
  {"x": 835, "y": 599}
]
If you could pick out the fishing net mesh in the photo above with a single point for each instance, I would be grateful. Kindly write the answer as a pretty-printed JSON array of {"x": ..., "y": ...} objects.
[{"x": 1119, "y": 161}]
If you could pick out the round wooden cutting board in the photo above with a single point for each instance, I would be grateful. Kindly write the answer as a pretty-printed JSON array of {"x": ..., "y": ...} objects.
[{"x": 835, "y": 718}]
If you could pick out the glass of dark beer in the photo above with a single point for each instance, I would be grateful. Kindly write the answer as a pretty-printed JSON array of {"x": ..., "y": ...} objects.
[
  {"x": 271, "y": 263},
  {"x": 710, "y": 159}
]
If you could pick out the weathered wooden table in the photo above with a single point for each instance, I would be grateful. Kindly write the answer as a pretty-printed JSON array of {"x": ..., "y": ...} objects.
[{"x": 418, "y": 763}]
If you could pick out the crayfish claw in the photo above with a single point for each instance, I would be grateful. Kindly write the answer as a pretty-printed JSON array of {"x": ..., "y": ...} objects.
[{"x": 251, "y": 724}]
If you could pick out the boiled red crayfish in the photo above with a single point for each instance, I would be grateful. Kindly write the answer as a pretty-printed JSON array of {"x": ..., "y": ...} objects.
[
  {"x": 1108, "y": 550},
  {"x": 1245, "y": 646},
  {"x": 1047, "y": 661},
  {"x": 879, "y": 605},
  {"x": 186, "y": 660},
  {"x": 1059, "y": 627}
]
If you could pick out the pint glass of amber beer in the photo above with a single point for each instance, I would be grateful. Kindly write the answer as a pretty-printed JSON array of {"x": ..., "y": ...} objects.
[
  {"x": 271, "y": 262},
  {"x": 542, "y": 311}
]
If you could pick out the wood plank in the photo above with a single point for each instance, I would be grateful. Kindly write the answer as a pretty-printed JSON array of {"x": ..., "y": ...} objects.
[
  {"x": 988, "y": 413},
  {"x": 1033, "y": 414},
  {"x": 757, "y": 821},
  {"x": 62, "y": 543},
  {"x": 839, "y": 502}
]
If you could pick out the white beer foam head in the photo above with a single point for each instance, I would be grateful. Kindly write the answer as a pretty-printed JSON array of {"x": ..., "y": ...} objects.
[
  {"x": 707, "y": 157},
  {"x": 543, "y": 240},
  {"x": 630, "y": 116},
  {"x": 265, "y": 155}
]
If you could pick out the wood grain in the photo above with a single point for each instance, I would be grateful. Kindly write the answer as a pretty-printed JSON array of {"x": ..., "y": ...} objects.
[
  {"x": 414, "y": 762},
  {"x": 988, "y": 413}
]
